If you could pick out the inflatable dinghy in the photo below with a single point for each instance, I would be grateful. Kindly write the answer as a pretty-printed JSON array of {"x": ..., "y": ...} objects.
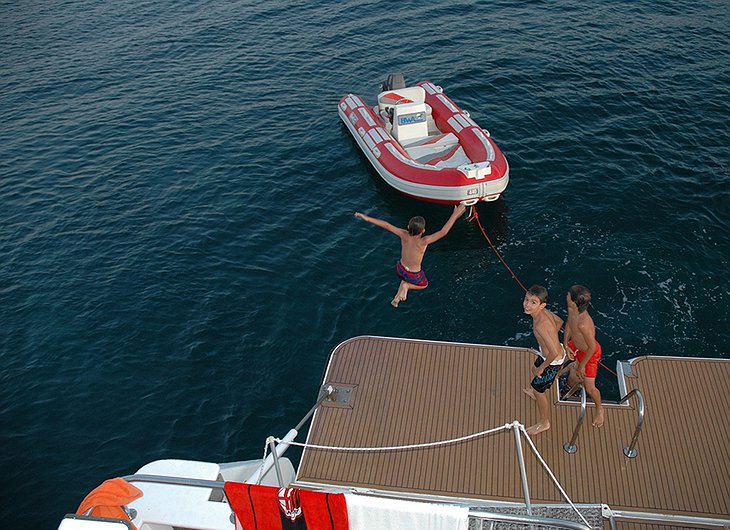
[{"x": 422, "y": 144}]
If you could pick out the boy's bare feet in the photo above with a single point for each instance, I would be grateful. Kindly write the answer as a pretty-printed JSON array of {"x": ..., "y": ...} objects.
[
  {"x": 538, "y": 428},
  {"x": 529, "y": 391},
  {"x": 401, "y": 295},
  {"x": 397, "y": 300},
  {"x": 600, "y": 419}
]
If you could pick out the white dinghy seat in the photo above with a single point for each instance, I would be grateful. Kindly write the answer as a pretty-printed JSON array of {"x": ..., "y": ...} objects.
[
  {"x": 409, "y": 110},
  {"x": 434, "y": 149}
]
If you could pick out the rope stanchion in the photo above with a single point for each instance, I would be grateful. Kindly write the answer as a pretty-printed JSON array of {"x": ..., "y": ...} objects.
[
  {"x": 475, "y": 217},
  {"x": 550, "y": 472}
]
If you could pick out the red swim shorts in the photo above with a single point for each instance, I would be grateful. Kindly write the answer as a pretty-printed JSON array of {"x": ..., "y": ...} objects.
[
  {"x": 592, "y": 366},
  {"x": 416, "y": 278}
]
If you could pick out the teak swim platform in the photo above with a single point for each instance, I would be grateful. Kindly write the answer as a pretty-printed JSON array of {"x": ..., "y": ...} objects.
[{"x": 405, "y": 391}]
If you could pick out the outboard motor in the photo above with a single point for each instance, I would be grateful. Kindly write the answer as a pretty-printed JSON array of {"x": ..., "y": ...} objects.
[{"x": 394, "y": 81}]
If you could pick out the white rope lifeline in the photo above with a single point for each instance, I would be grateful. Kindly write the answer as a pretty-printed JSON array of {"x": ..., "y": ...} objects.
[
  {"x": 400, "y": 447},
  {"x": 506, "y": 426}
]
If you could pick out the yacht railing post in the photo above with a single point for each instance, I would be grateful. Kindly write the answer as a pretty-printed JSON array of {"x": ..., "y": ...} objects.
[
  {"x": 272, "y": 446},
  {"x": 631, "y": 451},
  {"x": 521, "y": 462},
  {"x": 570, "y": 446},
  {"x": 284, "y": 444}
]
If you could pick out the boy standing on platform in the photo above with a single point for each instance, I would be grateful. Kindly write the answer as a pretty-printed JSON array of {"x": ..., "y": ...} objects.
[
  {"x": 413, "y": 247},
  {"x": 580, "y": 340},
  {"x": 545, "y": 326}
]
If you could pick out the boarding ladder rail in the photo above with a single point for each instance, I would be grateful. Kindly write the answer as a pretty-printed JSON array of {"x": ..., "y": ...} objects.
[
  {"x": 631, "y": 451},
  {"x": 570, "y": 447}
]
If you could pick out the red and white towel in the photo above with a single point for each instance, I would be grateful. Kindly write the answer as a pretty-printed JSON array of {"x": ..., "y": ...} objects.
[{"x": 270, "y": 508}]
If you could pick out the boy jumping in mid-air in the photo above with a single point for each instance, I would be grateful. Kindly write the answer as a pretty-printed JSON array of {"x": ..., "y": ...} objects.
[
  {"x": 413, "y": 247},
  {"x": 545, "y": 326}
]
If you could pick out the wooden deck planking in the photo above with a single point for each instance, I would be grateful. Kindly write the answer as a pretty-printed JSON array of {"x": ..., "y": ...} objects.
[
  {"x": 694, "y": 431},
  {"x": 412, "y": 392}
]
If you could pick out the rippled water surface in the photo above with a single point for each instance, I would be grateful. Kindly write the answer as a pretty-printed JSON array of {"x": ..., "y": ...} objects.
[{"x": 179, "y": 254}]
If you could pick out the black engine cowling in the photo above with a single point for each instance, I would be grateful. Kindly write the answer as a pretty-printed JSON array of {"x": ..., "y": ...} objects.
[{"x": 394, "y": 82}]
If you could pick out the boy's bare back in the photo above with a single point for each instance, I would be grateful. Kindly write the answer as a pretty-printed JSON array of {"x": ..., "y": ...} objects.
[
  {"x": 546, "y": 325},
  {"x": 582, "y": 331},
  {"x": 413, "y": 249}
]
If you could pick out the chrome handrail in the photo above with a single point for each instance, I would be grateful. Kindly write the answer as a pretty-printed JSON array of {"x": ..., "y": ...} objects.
[
  {"x": 631, "y": 451},
  {"x": 665, "y": 519},
  {"x": 176, "y": 481},
  {"x": 570, "y": 446}
]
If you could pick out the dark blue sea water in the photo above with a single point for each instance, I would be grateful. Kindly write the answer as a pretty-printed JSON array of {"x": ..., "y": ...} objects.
[{"x": 178, "y": 254}]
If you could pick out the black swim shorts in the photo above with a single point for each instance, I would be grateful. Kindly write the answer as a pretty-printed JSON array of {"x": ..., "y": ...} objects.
[{"x": 542, "y": 383}]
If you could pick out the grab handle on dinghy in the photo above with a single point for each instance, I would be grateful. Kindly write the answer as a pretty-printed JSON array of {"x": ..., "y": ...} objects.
[{"x": 469, "y": 202}]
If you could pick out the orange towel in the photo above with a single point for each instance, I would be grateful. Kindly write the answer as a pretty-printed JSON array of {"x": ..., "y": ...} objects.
[{"x": 107, "y": 500}]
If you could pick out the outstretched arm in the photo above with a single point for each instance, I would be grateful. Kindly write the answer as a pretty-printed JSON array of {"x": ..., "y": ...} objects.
[
  {"x": 379, "y": 222},
  {"x": 458, "y": 211}
]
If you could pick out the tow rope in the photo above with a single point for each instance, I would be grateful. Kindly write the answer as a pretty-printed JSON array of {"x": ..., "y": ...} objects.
[{"x": 475, "y": 217}]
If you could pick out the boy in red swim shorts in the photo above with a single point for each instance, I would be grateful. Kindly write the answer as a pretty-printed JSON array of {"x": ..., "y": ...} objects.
[
  {"x": 413, "y": 247},
  {"x": 580, "y": 340}
]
